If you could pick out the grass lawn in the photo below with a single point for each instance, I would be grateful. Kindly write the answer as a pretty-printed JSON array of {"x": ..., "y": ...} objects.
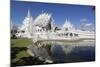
[{"x": 21, "y": 42}]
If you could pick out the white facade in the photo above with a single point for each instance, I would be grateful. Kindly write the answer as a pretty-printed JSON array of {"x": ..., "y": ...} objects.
[
  {"x": 26, "y": 29},
  {"x": 43, "y": 22},
  {"x": 68, "y": 26},
  {"x": 42, "y": 27}
]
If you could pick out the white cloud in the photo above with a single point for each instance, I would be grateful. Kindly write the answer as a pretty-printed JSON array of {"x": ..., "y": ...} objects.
[
  {"x": 83, "y": 20},
  {"x": 88, "y": 24}
]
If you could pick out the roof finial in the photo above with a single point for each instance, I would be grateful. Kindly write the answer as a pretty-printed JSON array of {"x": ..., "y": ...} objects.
[{"x": 28, "y": 14}]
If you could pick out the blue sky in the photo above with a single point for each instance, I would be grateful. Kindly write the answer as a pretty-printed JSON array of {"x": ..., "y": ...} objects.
[{"x": 74, "y": 13}]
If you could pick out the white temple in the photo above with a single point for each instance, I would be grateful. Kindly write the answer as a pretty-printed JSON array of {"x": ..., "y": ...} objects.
[
  {"x": 43, "y": 26},
  {"x": 44, "y": 21},
  {"x": 26, "y": 29},
  {"x": 68, "y": 26}
]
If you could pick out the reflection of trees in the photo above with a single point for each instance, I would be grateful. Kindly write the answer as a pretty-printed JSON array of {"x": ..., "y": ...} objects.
[
  {"x": 30, "y": 60},
  {"x": 15, "y": 50},
  {"x": 24, "y": 60},
  {"x": 48, "y": 48},
  {"x": 41, "y": 50}
]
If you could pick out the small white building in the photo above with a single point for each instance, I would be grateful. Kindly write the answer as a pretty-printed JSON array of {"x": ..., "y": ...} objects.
[{"x": 67, "y": 26}]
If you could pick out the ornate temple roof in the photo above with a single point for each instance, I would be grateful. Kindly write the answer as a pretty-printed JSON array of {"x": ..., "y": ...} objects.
[
  {"x": 27, "y": 21},
  {"x": 43, "y": 19}
]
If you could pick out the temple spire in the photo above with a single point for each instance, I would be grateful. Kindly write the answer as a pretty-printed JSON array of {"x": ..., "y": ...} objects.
[{"x": 28, "y": 14}]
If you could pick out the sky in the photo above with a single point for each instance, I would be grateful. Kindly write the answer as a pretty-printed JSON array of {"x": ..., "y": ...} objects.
[{"x": 60, "y": 12}]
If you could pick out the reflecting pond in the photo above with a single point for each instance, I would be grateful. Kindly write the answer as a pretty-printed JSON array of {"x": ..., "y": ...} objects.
[{"x": 61, "y": 52}]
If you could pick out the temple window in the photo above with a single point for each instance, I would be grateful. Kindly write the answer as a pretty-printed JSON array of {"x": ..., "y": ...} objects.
[
  {"x": 71, "y": 34},
  {"x": 22, "y": 31}
]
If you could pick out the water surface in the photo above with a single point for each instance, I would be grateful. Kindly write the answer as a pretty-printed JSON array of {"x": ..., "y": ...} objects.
[
  {"x": 73, "y": 52},
  {"x": 60, "y": 52}
]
